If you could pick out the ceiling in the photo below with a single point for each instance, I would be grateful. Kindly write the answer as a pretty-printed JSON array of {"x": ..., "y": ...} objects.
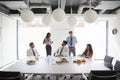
[{"x": 70, "y": 6}]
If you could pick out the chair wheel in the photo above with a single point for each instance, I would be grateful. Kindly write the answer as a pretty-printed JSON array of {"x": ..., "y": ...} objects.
[
  {"x": 71, "y": 77},
  {"x": 65, "y": 77},
  {"x": 48, "y": 78},
  {"x": 43, "y": 77}
]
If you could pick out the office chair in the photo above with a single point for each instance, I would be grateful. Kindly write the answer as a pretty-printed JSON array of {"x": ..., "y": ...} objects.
[
  {"x": 108, "y": 62},
  {"x": 117, "y": 66},
  {"x": 102, "y": 75},
  {"x": 6, "y": 75}
]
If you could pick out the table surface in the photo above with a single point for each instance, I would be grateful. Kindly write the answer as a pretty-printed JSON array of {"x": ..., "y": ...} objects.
[{"x": 47, "y": 65}]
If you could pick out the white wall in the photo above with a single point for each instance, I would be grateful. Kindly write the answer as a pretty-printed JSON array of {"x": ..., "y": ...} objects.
[
  {"x": 59, "y": 31},
  {"x": 114, "y": 40},
  {"x": 7, "y": 40},
  {"x": 31, "y": 34}
]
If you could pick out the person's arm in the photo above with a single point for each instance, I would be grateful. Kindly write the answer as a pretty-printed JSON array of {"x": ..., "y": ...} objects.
[
  {"x": 28, "y": 53},
  {"x": 83, "y": 54},
  {"x": 67, "y": 51},
  {"x": 91, "y": 54},
  {"x": 51, "y": 41},
  {"x": 67, "y": 39},
  {"x": 56, "y": 52},
  {"x": 76, "y": 40},
  {"x": 37, "y": 53},
  {"x": 44, "y": 41}
]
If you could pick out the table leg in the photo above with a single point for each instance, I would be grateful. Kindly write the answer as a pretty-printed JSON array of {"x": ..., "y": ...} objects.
[
  {"x": 57, "y": 76},
  {"x": 23, "y": 76}
]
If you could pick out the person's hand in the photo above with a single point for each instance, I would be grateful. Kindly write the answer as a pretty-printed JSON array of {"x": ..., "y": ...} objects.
[
  {"x": 79, "y": 54},
  {"x": 51, "y": 42},
  {"x": 54, "y": 54},
  {"x": 38, "y": 55}
]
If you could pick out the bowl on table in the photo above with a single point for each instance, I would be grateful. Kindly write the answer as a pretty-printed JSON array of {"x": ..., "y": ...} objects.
[
  {"x": 79, "y": 61},
  {"x": 31, "y": 62},
  {"x": 62, "y": 60}
]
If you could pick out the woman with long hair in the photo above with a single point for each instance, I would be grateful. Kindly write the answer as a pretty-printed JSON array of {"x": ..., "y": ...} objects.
[
  {"x": 47, "y": 40},
  {"x": 88, "y": 52}
]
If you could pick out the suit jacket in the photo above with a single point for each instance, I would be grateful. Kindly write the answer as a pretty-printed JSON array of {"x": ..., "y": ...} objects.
[{"x": 30, "y": 52}]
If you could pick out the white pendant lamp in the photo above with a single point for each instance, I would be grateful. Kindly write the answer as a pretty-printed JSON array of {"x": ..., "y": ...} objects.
[
  {"x": 47, "y": 19},
  {"x": 90, "y": 15},
  {"x": 58, "y": 14},
  {"x": 26, "y": 14},
  {"x": 71, "y": 20}
]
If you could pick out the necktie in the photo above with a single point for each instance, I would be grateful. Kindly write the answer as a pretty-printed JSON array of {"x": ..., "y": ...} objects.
[
  {"x": 61, "y": 50},
  {"x": 71, "y": 41},
  {"x": 33, "y": 52}
]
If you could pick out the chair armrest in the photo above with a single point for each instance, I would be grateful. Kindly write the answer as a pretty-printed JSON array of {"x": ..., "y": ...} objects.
[{"x": 84, "y": 76}]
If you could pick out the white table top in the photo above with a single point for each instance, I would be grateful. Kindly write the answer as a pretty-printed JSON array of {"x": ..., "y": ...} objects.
[{"x": 43, "y": 66}]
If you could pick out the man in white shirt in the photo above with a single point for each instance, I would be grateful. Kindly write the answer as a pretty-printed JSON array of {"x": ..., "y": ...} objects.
[
  {"x": 32, "y": 51},
  {"x": 63, "y": 50}
]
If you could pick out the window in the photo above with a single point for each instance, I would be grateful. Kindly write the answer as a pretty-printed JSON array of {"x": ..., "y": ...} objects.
[
  {"x": 31, "y": 34},
  {"x": 94, "y": 34}
]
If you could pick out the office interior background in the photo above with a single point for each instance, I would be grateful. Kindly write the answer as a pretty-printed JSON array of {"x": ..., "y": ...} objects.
[{"x": 15, "y": 35}]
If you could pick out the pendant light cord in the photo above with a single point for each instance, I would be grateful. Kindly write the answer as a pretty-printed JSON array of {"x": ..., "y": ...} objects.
[
  {"x": 71, "y": 9},
  {"x": 90, "y": 4},
  {"x": 28, "y": 3},
  {"x": 58, "y": 3},
  {"x": 71, "y": 6}
]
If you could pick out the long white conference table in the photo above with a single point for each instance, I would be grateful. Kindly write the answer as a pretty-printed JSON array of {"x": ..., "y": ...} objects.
[{"x": 48, "y": 65}]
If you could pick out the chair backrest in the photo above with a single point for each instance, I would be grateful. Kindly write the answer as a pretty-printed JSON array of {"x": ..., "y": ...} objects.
[
  {"x": 117, "y": 66},
  {"x": 108, "y": 61},
  {"x": 5, "y": 75},
  {"x": 102, "y": 75}
]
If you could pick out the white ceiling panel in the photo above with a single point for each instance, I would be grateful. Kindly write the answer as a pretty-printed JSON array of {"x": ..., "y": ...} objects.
[
  {"x": 14, "y": 4},
  {"x": 40, "y": 1},
  {"x": 108, "y": 5},
  {"x": 36, "y": 1}
]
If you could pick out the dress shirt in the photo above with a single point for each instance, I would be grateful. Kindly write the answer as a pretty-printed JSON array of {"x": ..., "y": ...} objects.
[
  {"x": 64, "y": 52},
  {"x": 74, "y": 41},
  {"x": 30, "y": 52}
]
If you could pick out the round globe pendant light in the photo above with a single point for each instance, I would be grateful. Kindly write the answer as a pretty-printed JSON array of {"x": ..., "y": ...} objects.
[
  {"x": 90, "y": 15},
  {"x": 71, "y": 20},
  {"x": 47, "y": 19},
  {"x": 58, "y": 14},
  {"x": 27, "y": 15}
]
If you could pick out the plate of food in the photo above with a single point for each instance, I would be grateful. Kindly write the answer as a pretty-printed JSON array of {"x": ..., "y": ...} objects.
[
  {"x": 31, "y": 62},
  {"x": 59, "y": 62},
  {"x": 62, "y": 60},
  {"x": 79, "y": 61}
]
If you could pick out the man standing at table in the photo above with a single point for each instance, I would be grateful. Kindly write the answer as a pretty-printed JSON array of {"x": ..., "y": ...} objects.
[{"x": 71, "y": 40}]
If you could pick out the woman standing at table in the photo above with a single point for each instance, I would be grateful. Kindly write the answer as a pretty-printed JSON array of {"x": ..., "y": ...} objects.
[
  {"x": 88, "y": 51},
  {"x": 48, "y": 43}
]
